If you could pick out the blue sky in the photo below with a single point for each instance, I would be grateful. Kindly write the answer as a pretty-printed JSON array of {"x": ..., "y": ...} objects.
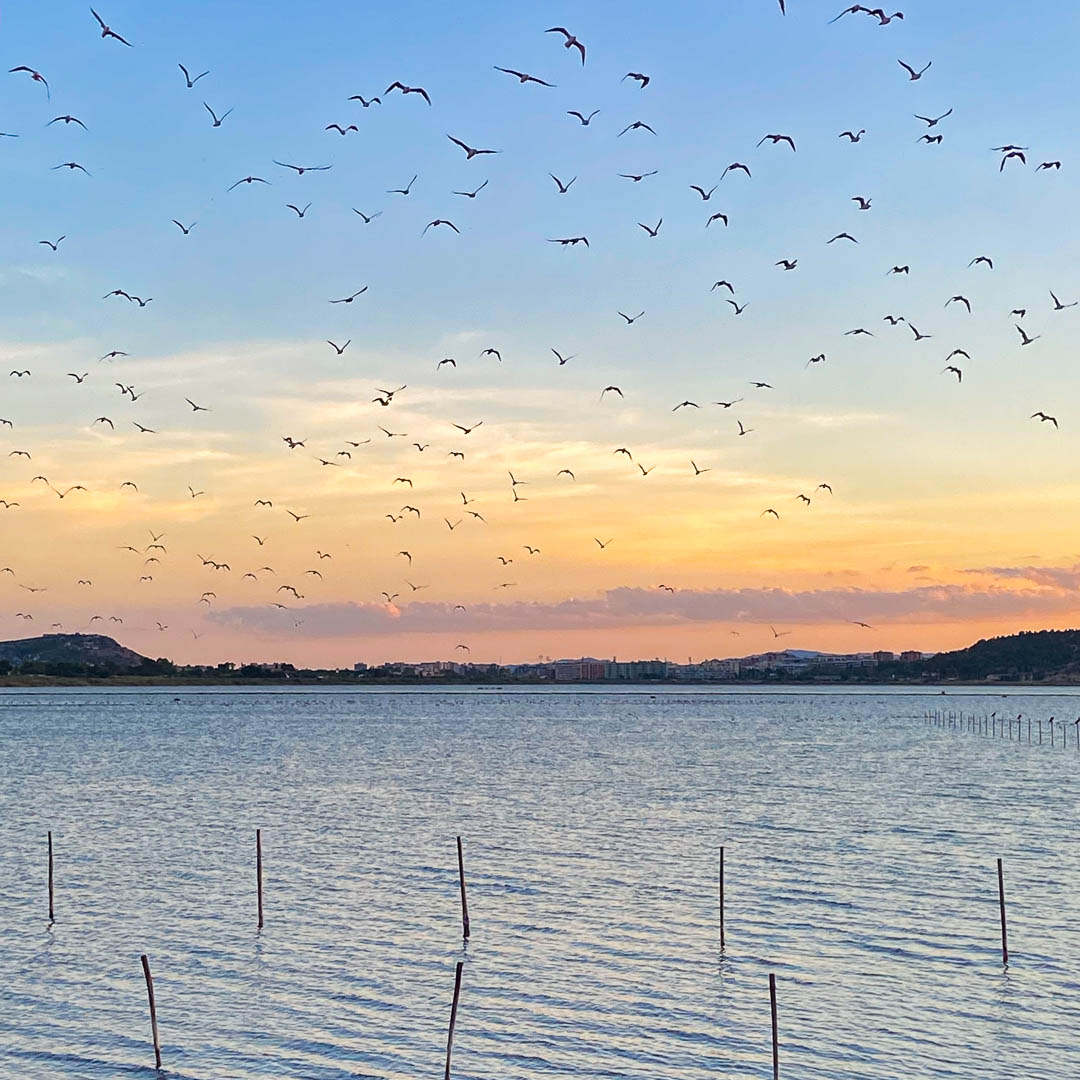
[{"x": 240, "y": 312}]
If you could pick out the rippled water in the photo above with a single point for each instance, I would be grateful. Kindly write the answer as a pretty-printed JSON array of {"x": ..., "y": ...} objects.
[{"x": 860, "y": 856}]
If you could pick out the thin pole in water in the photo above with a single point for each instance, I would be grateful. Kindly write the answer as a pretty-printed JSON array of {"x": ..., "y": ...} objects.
[
  {"x": 153, "y": 1010},
  {"x": 722, "y": 942},
  {"x": 258, "y": 872},
  {"x": 1001, "y": 902},
  {"x": 52, "y": 916},
  {"x": 775, "y": 1039},
  {"x": 461, "y": 880},
  {"x": 453, "y": 1019}
]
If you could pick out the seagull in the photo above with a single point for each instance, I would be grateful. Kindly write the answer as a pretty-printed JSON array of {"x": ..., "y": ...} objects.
[
  {"x": 955, "y": 370},
  {"x": 743, "y": 430},
  {"x": 734, "y": 166},
  {"x": 864, "y": 204},
  {"x": 935, "y": 121},
  {"x": 522, "y": 77},
  {"x": 53, "y": 244},
  {"x": 563, "y": 359},
  {"x": 638, "y": 177},
  {"x": 368, "y": 218},
  {"x": 185, "y": 229},
  {"x": 1025, "y": 339},
  {"x": 787, "y": 264},
  {"x": 959, "y": 300},
  {"x": 637, "y": 125},
  {"x": 914, "y": 75},
  {"x": 852, "y": 136},
  {"x": 472, "y": 194},
  {"x": 249, "y": 180},
  {"x": 571, "y": 42},
  {"x": 631, "y": 320},
  {"x": 769, "y": 511},
  {"x": 470, "y": 152},
  {"x": 654, "y": 232},
  {"x": 774, "y": 139},
  {"x": 108, "y": 32},
  {"x": 36, "y": 76},
  {"x": 339, "y": 349},
  {"x": 985, "y": 260},
  {"x": 1012, "y": 154},
  {"x": 571, "y": 241},
  {"x": 563, "y": 188},
  {"x": 585, "y": 120},
  {"x": 341, "y": 130},
  {"x": 350, "y": 299},
  {"x": 405, "y": 190},
  {"x": 440, "y": 221},
  {"x": 705, "y": 195},
  {"x": 602, "y": 544},
  {"x": 697, "y": 470},
  {"x": 717, "y": 217},
  {"x": 1044, "y": 418},
  {"x": 637, "y": 76},
  {"x": 217, "y": 120},
  {"x": 406, "y": 90},
  {"x": 1058, "y": 305},
  {"x": 188, "y": 79},
  {"x": 843, "y": 236},
  {"x": 299, "y": 213}
]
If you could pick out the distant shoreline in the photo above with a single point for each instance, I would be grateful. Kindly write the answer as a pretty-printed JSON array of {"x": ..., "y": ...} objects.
[{"x": 14, "y": 682}]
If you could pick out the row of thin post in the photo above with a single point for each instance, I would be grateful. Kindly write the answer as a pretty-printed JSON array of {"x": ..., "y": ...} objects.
[{"x": 1016, "y": 729}]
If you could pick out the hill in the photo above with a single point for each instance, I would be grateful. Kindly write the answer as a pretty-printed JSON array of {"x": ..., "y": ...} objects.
[
  {"x": 1052, "y": 655},
  {"x": 71, "y": 654}
]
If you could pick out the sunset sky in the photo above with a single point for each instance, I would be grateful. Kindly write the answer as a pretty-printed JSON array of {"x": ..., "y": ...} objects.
[{"x": 953, "y": 515}]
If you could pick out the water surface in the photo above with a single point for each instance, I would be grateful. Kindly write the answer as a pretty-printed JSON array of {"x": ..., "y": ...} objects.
[{"x": 860, "y": 856}]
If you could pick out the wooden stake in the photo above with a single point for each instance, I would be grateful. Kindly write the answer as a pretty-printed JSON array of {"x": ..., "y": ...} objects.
[
  {"x": 775, "y": 1038},
  {"x": 722, "y": 942},
  {"x": 453, "y": 1019},
  {"x": 461, "y": 879},
  {"x": 52, "y": 916},
  {"x": 1001, "y": 901},
  {"x": 153, "y": 1010},
  {"x": 258, "y": 871}
]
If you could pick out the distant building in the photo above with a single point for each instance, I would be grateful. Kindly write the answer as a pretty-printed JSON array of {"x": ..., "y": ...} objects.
[
  {"x": 884, "y": 657},
  {"x": 587, "y": 669},
  {"x": 359, "y": 666},
  {"x": 911, "y": 656}
]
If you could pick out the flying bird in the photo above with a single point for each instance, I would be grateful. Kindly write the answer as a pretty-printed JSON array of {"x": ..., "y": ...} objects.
[
  {"x": 914, "y": 75},
  {"x": 470, "y": 152},
  {"x": 217, "y": 120},
  {"x": 188, "y": 79},
  {"x": 571, "y": 42},
  {"x": 523, "y": 78},
  {"x": 107, "y": 31}
]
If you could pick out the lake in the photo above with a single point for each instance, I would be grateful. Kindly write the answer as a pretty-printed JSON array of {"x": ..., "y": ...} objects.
[{"x": 860, "y": 856}]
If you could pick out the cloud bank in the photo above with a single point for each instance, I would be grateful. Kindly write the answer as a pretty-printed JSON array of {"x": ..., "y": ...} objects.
[{"x": 628, "y": 606}]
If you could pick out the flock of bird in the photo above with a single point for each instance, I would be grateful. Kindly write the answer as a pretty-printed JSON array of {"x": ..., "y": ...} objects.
[{"x": 285, "y": 588}]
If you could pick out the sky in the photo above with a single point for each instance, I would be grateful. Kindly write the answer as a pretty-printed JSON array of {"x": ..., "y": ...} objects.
[{"x": 952, "y": 516}]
